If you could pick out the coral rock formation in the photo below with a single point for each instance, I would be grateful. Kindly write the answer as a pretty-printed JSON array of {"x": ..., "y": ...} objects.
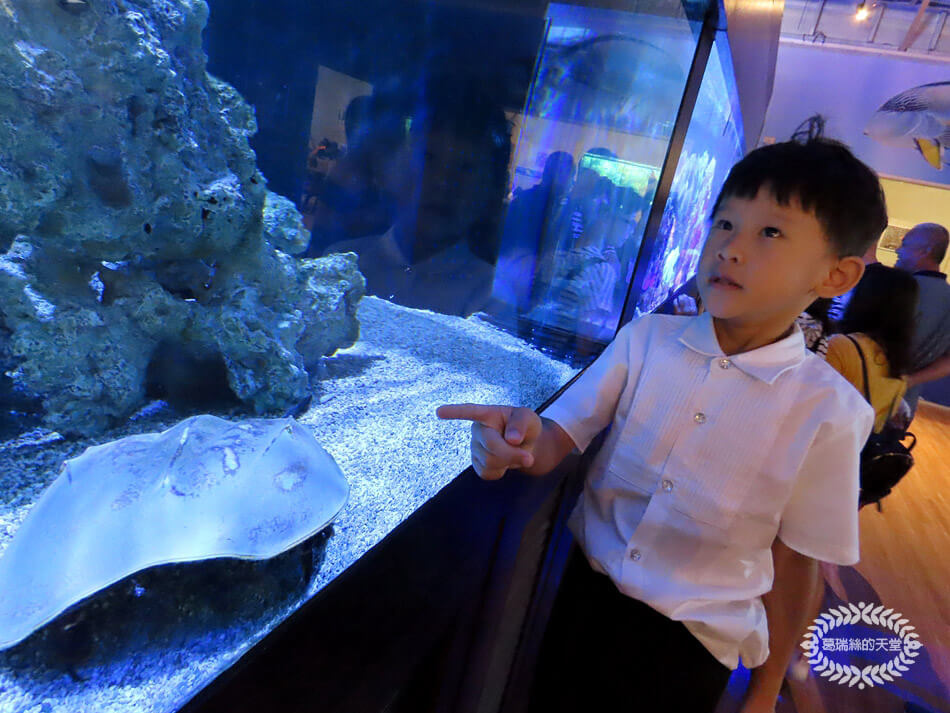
[{"x": 134, "y": 220}]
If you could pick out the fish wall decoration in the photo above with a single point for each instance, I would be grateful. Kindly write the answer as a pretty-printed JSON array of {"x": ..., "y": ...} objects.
[{"x": 918, "y": 118}]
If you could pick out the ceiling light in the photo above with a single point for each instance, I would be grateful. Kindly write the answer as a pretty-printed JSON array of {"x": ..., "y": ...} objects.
[{"x": 862, "y": 13}]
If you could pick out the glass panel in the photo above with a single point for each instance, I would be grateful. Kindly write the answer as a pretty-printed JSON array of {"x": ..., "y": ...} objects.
[
  {"x": 592, "y": 142},
  {"x": 714, "y": 142},
  {"x": 275, "y": 209}
]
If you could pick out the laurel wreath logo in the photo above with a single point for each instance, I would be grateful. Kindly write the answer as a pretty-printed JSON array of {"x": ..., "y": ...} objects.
[{"x": 869, "y": 675}]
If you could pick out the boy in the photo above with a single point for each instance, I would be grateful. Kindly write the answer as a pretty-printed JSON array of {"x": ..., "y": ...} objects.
[{"x": 731, "y": 465}]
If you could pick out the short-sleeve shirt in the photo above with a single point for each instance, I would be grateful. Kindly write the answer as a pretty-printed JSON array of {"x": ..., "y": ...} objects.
[{"x": 708, "y": 459}]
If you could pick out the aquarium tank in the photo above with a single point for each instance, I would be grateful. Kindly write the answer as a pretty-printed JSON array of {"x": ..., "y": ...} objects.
[
  {"x": 247, "y": 247},
  {"x": 593, "y": 138},
  {"x": 714, "y": 142}
]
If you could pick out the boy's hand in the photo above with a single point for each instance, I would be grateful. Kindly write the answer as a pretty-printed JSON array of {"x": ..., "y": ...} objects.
[{"x": 503, "y": 437}]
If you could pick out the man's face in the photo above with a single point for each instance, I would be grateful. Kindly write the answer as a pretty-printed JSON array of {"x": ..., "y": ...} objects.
[
  {"x": 762, "y": 261},
  {"x": 912, "y": 250}
]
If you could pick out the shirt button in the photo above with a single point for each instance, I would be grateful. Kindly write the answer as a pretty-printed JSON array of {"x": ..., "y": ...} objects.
[
  {"x": 668, "y": 486},
  {"x": 635, "y": 555},
  {"x": 724, "y": 363},
  {"x": 700, "y": 417}
]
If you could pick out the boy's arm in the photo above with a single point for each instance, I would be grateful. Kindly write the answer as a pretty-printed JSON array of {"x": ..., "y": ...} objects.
[{"x": 787, "y": 608}]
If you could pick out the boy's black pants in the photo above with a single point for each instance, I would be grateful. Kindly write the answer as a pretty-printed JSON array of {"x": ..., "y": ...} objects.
[{"x": 603, "y": 651}]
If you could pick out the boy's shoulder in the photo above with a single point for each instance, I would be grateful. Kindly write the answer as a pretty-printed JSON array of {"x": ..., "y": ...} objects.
[
  {"x": 822, "y": 383},
  {"x": 649, "y": 332},
  {"x": 657, "y": 323}
]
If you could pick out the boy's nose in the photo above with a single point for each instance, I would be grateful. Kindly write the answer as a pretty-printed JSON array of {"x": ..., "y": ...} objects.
[
  {"x": 729, "y": 252},
  {"x": 739, "y": 242}
]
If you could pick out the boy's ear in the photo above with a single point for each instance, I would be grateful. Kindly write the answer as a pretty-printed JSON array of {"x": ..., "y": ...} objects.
[{"x": 843, "y": 276}]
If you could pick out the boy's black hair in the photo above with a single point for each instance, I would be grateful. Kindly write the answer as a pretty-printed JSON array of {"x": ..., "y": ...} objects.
[{"x": 827, "y": 179}]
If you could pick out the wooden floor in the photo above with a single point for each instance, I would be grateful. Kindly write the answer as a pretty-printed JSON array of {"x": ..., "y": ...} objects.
[{"x": 905, "y": 564}]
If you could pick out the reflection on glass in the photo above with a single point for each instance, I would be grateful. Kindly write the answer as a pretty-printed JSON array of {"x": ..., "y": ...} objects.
[
  {"x": 343, "y": 196},
  {"x": 713, "y": 144},
  {"x": 441, "y": 183},
  {"x": 604, "y": 101}
]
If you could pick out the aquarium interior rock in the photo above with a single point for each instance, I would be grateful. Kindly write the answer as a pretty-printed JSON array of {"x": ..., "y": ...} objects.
[{"x": 141, "y": 253}]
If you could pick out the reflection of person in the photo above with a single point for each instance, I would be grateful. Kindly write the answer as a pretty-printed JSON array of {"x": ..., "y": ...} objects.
[
  {"x": 923, "y": 249},
  {"x": 351, "y": 201},
  {"x": 527, "y": 233},
  {"x": 581, "y": 293},
  {"x": 731, "y": 464},
  {"x": 448, "y": 181},
  {"x": 575, "y": 288},
  {"x": 584, "y": 204}
]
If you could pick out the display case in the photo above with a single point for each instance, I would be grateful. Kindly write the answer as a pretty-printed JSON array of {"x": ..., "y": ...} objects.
[
  {"x": 247, "y": 248},
  {"x": 607, "y": 92},
  {"x": 714, "y": 142}
]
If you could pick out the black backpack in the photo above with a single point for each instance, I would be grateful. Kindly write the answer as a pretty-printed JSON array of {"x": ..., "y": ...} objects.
[{"x": 884, "y": 459}]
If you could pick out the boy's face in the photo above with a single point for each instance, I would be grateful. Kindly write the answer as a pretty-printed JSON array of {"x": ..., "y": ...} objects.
[{"x": 764, "y": 263}]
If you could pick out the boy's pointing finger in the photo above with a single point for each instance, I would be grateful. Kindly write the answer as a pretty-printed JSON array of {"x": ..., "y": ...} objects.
[{"x": 491, "y": 416}]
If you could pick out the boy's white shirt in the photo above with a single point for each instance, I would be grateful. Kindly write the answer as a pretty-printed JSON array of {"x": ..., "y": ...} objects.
[{"x": 709, "y": 458}]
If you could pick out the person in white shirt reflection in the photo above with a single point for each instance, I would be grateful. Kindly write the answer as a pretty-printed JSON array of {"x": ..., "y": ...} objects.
[
  {"x": 731, "y": 463},
  {"x": 449, "y": 181}
]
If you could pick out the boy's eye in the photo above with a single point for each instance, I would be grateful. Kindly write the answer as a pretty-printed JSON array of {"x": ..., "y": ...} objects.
[
  {"x": 771, "y": 232},
  {"x": 723, "y": 224}
]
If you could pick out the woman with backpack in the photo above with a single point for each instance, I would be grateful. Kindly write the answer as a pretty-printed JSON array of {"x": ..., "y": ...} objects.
[{"x": 873, "y": 349}]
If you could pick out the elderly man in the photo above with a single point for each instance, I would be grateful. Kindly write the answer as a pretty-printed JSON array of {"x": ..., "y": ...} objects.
[{"x": 923, "y": 249}]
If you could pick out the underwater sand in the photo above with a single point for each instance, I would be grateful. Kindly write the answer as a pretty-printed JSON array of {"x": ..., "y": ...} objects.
[{"x": 155, "y": 639}]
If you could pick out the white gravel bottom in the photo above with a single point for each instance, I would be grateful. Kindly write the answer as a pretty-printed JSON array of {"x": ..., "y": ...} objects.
[{"x": 374, "y": 410}]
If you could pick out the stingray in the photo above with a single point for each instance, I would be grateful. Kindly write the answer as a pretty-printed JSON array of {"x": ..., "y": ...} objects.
[{"x": 203, "y": 489}]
